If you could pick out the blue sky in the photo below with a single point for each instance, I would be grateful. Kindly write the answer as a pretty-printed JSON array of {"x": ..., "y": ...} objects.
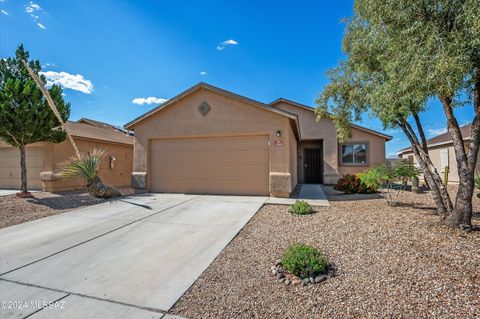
[{"x": 109, "y": 54}]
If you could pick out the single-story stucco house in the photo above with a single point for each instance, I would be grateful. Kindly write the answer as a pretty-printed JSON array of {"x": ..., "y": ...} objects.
[
  {"x": 211, "y": 141},
  {"x": 442, "y": 153},
  {"x": 43, "y": 158}
]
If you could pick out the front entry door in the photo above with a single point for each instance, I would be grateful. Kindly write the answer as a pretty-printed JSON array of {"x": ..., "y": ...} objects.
[{"x": 313, "y": 162}]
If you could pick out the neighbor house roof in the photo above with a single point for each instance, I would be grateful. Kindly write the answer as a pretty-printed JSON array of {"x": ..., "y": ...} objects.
[
  {"x": 358, "y": 127},
  {"x": 218, "y": 90},
  {"x": 82, "y": 130},
  {"x": 444, "y": 138},
  {"x": 96, "y": 123}
]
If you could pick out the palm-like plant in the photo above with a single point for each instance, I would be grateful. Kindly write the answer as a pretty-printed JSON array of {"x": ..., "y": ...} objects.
[{"x": 86, "y": 166}]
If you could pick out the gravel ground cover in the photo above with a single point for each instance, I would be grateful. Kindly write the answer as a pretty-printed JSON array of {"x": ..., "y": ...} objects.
[
  {"x": 393, "y": 262},
  {"x": 15, "y": 210}
]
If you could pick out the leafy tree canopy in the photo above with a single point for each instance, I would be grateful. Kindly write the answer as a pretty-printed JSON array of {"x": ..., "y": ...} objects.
[
  {"x": 400, "y": 54},
  {"x": 25, "y": 116}
]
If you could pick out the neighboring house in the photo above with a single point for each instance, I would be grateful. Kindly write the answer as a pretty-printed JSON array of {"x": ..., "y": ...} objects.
[
  {"x": 43, "y": 159},
  {"x": 212, "y": 141},
  {"x": 442, "y": 154}
]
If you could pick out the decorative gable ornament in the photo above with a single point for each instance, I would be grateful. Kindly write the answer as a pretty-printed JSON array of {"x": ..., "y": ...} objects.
[{"x": 204, "y": 108}]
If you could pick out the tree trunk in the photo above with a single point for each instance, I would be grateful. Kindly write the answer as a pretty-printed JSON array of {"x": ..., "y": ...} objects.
[
  {"x": 466, "y": 161},
  {"x": 462, "y": 213},
  {"x": 23, "y": 168},
  {"x": 98, "y": 189},
  {"x": 439, "y": 193}
]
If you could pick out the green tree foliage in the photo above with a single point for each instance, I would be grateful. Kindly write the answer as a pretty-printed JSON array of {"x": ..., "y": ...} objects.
[
  {"x": 25, "y": 116},
  {"x": 401, "y": 54}
]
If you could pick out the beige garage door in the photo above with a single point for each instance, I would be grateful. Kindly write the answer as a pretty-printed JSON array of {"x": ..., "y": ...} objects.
[
  {"x": 230, "y": 165},
  {"x": 10, "y": 167}
]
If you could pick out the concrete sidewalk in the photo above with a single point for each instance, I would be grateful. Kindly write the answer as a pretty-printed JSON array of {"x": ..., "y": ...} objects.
[
  {"x": 311, "y": 193},
  {"x": 132, "y": 258}
]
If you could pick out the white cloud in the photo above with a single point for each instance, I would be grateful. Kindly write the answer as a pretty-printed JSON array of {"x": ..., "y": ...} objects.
[
  {"x": 4, "y": 12},
  {"x": 203, "y": 73},
  {"x": 148, "y": 100},
  {"x": 33, "y": 9},
  {"x": 69, "y": 81},
  {"x": 226, "y": 43},
  {"x": 437, "y": 131}
]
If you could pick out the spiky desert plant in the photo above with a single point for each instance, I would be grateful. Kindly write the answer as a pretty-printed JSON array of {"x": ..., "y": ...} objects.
[{"x": 86, "y": 166}]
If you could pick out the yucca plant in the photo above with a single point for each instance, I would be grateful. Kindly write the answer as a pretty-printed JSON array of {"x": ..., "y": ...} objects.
[{"x": 86, "y": 167}]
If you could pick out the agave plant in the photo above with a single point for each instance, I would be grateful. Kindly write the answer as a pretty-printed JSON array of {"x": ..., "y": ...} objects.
[{"x": 86, "y": 166}]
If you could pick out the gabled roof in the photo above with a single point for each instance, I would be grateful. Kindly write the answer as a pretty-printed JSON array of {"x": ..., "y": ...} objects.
[
  {"x": 444, "y": 138},
  {"x": 218, "y": 90},
  {"x": 96, "y": 123},
  {"x": 358, "y": 127},
  {"x": 87, "y": 131}
]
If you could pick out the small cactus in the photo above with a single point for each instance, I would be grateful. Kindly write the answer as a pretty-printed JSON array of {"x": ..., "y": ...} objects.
[{"x": 415, "y": 183}]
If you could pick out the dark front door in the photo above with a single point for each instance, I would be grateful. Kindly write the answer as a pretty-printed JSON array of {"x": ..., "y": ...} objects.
[{"x": 313, "y": 165}]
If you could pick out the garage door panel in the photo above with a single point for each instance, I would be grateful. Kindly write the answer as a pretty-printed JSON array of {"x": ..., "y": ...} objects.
[
  {"x": 10, "y": 172},
  {"x": 192, "y": 186},
  {"x": 181, "y": 172},
  {"x": 229, "y": 165},
  {"x": 238, "y": 173}
]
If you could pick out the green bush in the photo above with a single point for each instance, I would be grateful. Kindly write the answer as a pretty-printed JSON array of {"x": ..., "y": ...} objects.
[
  {"x": 477, "y": 184},
  {"x": 374, "y": 177},
  {"x": 301, "y": 207},
  {"x": 351, "y": 184},
  {"x": 304, "y": 261}
]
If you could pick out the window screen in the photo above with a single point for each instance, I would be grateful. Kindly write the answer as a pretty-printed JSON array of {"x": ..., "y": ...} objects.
[{"x": 354, "y": 153}]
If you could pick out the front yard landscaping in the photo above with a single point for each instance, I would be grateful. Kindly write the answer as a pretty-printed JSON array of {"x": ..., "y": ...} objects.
[
  {"x": 15, "y": 210},
  {"x": 389, "y": 262}
]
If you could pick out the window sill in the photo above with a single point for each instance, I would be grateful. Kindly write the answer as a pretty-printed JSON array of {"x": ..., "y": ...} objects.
[{"x": 354, "y": 165}]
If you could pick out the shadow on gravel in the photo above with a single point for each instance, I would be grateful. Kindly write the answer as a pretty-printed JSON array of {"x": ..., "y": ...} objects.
[{"x": 70, "y": 200}]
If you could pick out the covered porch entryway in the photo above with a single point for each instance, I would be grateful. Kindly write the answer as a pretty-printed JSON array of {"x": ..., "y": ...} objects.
[{"x": 310, "y": 162}]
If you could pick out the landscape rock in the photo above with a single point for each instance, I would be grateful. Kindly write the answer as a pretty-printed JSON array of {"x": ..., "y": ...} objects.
[{"x": 320, "y": 278}]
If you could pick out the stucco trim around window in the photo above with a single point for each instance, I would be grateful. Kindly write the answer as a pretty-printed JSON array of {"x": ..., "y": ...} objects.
[{"x": 352, "y": 143}]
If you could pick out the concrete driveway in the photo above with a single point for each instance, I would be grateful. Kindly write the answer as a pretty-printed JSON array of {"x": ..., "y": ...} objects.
[{"x": 132, "y": 258}]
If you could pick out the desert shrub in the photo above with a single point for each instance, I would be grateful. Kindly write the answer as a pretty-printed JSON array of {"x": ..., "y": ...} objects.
[
  {"x": 301, "y": 207},
  {"x": 351, "y": 184},
  {"x": 374, "y": 177},
  {"x": 404, "y": 170},
  {"x": 304, "y": 261}
]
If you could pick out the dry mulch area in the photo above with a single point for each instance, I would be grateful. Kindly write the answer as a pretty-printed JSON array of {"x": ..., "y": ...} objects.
[
  {"x": 15, "y": 210},
  {"x": 395, "y": 262}
]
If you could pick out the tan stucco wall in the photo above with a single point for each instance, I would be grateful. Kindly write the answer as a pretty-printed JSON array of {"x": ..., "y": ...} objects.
[
  {"x": 312, "y": 130},
  {"x": 53, "y": 154},
  {"x": 227, "y": 117},
  {"x": 118, "y": 176},
  {"x": 375, "y": 152}
]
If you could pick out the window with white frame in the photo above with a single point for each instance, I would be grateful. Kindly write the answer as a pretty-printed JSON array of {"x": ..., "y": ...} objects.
[
  {"x": 354, "y": 153},
  {"x": 443, "y": 159}
]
